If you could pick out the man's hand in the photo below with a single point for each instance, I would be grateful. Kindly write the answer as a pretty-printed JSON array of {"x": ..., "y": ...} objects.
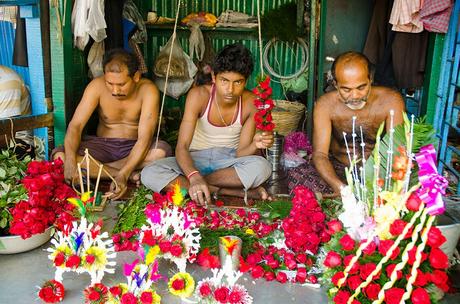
[
  {"x": 199, "y": 190},
  {"x": 121, "y": 182},
  {"x": 263, "y": 140},
  {"x": 70, "y": 169}
]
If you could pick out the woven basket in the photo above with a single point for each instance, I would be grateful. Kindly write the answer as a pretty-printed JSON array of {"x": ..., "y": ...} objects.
[{"x": 286, "y": 116}]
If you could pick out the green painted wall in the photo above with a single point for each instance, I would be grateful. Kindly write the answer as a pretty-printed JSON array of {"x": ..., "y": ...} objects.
[{"x": 344, "y": 27}]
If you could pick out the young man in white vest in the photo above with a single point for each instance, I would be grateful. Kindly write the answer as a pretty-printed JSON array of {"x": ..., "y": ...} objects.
[{"x": 217, "y": 144}]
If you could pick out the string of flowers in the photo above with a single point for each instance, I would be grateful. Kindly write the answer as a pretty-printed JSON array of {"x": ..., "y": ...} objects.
[{"x": 264, "y": 104}]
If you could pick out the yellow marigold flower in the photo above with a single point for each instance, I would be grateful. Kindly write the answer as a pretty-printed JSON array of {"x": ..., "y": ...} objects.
[
  {"x": 181, "y": 284},
  {"x": 100, "y": 258},
  {"x": 152, "y": 254},
  {"x": 250, "y": 231}
]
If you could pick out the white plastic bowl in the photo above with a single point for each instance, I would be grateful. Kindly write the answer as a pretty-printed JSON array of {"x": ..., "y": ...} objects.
[{"x": 15, "y": 244}]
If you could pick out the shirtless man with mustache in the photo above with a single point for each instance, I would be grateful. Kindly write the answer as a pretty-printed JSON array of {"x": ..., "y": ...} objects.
[
  {"x": 127, "y": 107},
  {"x": 355, "y": 96}
]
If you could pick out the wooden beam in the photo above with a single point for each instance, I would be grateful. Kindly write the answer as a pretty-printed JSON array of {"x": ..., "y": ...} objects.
[{"x": 28, "y": 122}]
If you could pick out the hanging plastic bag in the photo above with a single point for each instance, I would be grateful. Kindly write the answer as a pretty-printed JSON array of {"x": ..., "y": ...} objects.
[
  {"x": 178, "y": 67},
  {"x": 95, "y": 58},
  {"x": 196, "y": 41},
  {"x": 178, "y": 87}
]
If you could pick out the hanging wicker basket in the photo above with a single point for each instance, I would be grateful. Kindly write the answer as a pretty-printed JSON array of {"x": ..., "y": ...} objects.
[{"x": 286, "y": 116}]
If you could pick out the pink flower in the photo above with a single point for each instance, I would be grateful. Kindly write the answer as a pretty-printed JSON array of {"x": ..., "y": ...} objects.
[
  {"x": 221, "y": 294},
  {"x": 281, "y": 277}
]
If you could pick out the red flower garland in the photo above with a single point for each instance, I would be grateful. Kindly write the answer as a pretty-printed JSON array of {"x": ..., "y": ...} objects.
[{"x": 264, "y": 105}]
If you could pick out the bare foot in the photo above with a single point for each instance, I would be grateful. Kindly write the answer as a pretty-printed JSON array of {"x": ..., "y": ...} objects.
[{"x": 259, "y": 193}]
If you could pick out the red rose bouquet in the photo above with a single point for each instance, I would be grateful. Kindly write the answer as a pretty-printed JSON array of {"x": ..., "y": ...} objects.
[
  {"x": 47, "y": 200},
  {"x": 390, "y": 249},
  {"x": 264, "y": 105}
]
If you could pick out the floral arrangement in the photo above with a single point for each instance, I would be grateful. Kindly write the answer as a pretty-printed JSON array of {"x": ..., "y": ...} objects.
[
  {"x": 222, "y": 287},
  {"x": 52, "y": 291},
  {"x": 82, "y": 247},
  {"x": 264, "y": 105},
  {"x": 137, "y": 290},
  {"x": 170, "y": 233},
  {"x": 389, "y": 250},
  {"x": 47, "y": 200}
]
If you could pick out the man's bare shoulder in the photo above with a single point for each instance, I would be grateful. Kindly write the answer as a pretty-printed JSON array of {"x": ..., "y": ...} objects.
[
  {"x": 147, "y": 86},
  {"x": 388, "y": 97}
]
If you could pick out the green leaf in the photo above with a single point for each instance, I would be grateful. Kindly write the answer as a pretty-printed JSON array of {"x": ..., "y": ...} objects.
[{"x": 2, "y": 173}]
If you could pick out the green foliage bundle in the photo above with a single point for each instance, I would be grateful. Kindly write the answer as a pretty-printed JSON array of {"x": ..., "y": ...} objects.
[
  {"x": 131, "y": 214},
  {"x": 12, "y": 170}
]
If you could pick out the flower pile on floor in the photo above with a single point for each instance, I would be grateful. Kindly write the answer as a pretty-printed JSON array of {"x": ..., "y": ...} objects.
[{"x": 389, "y": 250}]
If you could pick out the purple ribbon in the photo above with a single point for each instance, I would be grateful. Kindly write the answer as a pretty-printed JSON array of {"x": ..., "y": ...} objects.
[{"x": 433, "y": 185}]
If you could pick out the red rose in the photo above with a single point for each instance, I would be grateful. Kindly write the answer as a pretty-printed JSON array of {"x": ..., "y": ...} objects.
[
  {"x": 146, "y": 297},
  {"x": 165, "y": 246},
  {"x": 336, "y": 277},
  {"x": 413, "y": 202},
  {"x": 370, "y": 248},
  {"x": 234, "y": 297},
  {"x": 389, "y": 270},
  {"x": 372, "y": 291},
  {"x": 115, "y": 291},
  {"x": 411, "y": 254},
  {"x": 397, "y": 227},
  {"x": 257, "y": 272},
  {"x": 178, "y": 284},
  {"x": 290, "y": 262},
  {"x": 422, "y": 279},
  {"x": 269, "y": 276},
  {"x": 59, "y": 259},
  {"x": 347, "y": 242},
  {"x": 301, "y": 275},
  {"x": 205, "y": 290},
  {"x": 435, "y": 238},
  {"x": 346, "y": 261},
  {"x": 420, "y": 296},
  {"x": 176, "y": 250},
  {"x": 439, "y": 277},
  {"x": 73, "y": 261},
  {"x": 313, "y": 279},
  {"x": 385, "y": 245},
  {"x": 366, "y": 270},
  {"x": 301, "y": 258},
  {"x": 281, "y": 277},
  {"x": 90, "y": 259},
  {"x": 94, "y": 295},
  {"x": 438, "y": 259},
  {"x": 332, "y": 260},
  {"x": 273, "y": 263},
  {"x": 354, "y": 282},
  {"x": 342, "y": 297},
  {"x": 253, "y": 259},
  {"x": 394, "y": 295},
  {"x": 128, "y": 298},
  {"x": 334, "y": 226},
  {"x": 221, "y": 294}
]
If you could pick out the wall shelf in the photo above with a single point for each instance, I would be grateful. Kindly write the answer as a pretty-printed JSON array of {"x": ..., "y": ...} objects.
[{"x": 212, "y": 32}]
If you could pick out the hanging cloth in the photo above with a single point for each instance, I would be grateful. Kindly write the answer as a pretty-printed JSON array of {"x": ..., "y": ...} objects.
[
  {"x": 435, "y": 15},
  {"x": 20, "y": 43},
  {"x": 405, "y": 16},
  {"x": 88, "y": 21}
]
